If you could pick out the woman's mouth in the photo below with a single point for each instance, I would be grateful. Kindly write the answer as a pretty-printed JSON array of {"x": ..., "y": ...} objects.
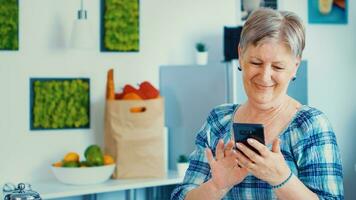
[{"x": 263, "y": 86}]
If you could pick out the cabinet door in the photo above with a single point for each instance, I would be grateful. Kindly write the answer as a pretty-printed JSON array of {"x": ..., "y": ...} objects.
[{"x": 190, "y": 93}]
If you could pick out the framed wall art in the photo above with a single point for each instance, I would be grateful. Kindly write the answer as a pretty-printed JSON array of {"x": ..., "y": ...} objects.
[
  {"x": 9, "y": 25},
  {"x": 327, "y": 11},
  {"x": 248, "y": 6},
  {"x": 59, "y": 103},
  {"x": 119, "y": 26}
]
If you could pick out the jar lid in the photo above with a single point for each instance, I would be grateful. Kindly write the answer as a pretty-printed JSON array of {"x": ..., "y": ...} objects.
[
  {"x": 22, "y": 192},
  {"x": 24, "y": 196}
]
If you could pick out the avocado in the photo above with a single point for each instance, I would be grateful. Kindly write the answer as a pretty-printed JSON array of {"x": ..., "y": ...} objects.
[
  {"x": 94, "y": 156},
  {"x": 96, "y": 159},
  {"x": 92, "y": 149}
]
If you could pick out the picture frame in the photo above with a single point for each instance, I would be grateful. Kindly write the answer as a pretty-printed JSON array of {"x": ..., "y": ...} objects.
[
  {"x": 328, "y": 11},
  {"x": 59, "y": 103},
  {"x": 119, "y": 27},
  {"x": 248, "y": 6},
  {"x": 9, "y": 25}
]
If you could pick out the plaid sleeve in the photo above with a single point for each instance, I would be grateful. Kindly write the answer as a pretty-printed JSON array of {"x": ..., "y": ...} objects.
[
  {"x": 198, "y": 170},
  {"x": 318, "y": 158}
]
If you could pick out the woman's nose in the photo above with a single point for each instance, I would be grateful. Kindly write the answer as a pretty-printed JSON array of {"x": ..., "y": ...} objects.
[{"x": 266, "y": 73}]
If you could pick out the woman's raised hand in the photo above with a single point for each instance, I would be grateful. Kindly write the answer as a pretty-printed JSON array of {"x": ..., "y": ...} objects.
[
  {"x": 224, "y": 167},
  {"x": 269, "y": 166}
]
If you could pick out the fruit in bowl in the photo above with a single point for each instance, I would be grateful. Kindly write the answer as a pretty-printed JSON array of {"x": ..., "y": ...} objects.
[{"x": 96, "y": 167}]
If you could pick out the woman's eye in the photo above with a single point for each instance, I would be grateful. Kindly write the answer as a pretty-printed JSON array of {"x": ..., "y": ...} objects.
[
  {"x": 256, "y": 63},
  {"x": 278, "y": 67}
]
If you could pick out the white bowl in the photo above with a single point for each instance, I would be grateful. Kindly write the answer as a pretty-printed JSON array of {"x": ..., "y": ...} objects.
[{"x": 83, "y": 175}]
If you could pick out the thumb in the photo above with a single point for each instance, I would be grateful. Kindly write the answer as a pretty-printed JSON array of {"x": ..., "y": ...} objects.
[
  {"x": 209, "y": 156},
  {"x": 276, "y": 146}
]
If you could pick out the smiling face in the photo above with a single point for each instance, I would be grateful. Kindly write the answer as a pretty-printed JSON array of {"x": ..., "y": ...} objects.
[{"x": 267, "y": 70}]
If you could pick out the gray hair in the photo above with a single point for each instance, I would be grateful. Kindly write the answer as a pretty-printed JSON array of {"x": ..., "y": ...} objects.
[{"x": 265, "y": 23}]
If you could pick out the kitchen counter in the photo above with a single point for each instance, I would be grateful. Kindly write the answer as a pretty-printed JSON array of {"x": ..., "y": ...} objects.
[{"x": 51, "y": 189}]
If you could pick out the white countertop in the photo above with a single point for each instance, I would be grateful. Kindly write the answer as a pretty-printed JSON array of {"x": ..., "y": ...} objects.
[{"x": 51, "y": 189}]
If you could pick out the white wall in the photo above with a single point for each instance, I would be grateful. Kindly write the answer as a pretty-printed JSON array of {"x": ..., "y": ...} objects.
[
  {"x": 169, "y": 29},
  {"x": 168, "y": 33}
]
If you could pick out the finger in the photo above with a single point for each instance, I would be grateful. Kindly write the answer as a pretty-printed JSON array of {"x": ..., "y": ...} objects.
[
  {"x": 228, "y": 148},
  {"x": 244, "y": 162},
  {"x": 236, "y": 165},
  {"x": 229, "y": 145},
  {"x": 209, "y": 156},
  {"x": 258, "y": 146},
  {"x": 231, "y": 153},
  {"x": 231, "y": 162},
  {"x": 219, "y": 153},
  {"x": 276, "y": 146},
  {"x": 253, "y": 156}
]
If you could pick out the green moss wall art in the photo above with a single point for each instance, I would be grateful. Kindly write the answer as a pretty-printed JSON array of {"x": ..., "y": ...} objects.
[
  {"x": 120, "y": 25},
  {"x": 59, "y": 103},
  {"x": 9, "y": 25}
]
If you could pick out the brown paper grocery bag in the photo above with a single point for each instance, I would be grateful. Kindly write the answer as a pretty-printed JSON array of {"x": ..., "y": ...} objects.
[{"x": 135, "y": 139}]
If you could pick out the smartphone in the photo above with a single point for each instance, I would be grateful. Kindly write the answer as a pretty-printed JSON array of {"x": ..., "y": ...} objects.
[{"x": 243, "y": 131}]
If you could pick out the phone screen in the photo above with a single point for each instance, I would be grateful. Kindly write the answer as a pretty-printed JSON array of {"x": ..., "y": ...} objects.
[{"x": 243, "y": 131}]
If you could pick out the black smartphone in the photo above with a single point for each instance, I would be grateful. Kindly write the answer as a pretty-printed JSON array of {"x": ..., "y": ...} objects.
[{"x": 243, "y": 131}]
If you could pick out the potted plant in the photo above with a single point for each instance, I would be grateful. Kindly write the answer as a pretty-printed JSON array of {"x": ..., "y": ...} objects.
[
  {"x": 202, "y": 54},
  {"x": 182, "y": 165}
]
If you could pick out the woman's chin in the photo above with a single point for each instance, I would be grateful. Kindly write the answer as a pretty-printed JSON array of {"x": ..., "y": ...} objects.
[{"x": 263, "y": 101}]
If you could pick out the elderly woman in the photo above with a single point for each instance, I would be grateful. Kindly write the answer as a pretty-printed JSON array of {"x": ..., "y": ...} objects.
[{"x": 301, "y": 158}]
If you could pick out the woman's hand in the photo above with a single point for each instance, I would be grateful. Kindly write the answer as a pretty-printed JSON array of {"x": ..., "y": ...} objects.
[
  {"x": 269, "y": 166},
  {"x": 224, "y": 168}
]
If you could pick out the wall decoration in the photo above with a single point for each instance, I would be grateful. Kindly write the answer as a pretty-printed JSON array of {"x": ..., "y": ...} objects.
[
  {"x": 59, "y": 103},
  {"x": 327, "y": 11},
  {"x": 120, "y": 25},
  {"x": 9, "y": 25},
  {"x": 247, "y": 6}
]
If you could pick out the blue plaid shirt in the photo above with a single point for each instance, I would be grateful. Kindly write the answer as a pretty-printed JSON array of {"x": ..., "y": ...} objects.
[{"x": 308, "y": 145}]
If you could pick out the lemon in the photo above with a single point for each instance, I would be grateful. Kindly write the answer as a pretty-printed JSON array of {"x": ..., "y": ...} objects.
[{"x": 71, "y": 157}]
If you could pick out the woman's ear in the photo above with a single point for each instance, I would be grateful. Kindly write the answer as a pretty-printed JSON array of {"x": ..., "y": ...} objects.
[
  {"x": 297, "y": 62},
  {"x": 239, "y": 51}
]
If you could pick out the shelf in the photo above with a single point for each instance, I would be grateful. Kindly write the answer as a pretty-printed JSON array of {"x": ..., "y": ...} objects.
[{"x": 51, "y": 189}]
